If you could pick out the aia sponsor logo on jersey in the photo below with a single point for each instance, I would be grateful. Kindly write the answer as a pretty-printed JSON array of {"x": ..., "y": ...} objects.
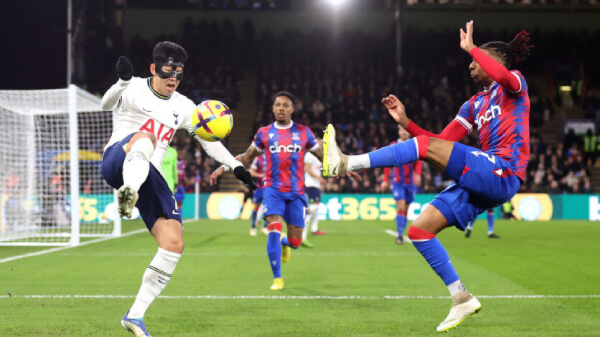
[
  {"x": 162, "y": 133},
  {"x": 278, "y": 148},
  {"x": 492, "y": 112}
]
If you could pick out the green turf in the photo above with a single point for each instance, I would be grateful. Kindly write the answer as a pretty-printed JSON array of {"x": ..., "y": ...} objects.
[{"x": 355, "y": 259}]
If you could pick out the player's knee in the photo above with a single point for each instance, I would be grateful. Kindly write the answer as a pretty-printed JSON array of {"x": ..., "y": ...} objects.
[
  {"x": 150, "y": 136},
  {"x": 418, "y": 234},
  {"x": 175, "y": 246},
  {"x": 145, "y": 146},
  {"x": 295, "y": 242},
  {"x": 275, "y": 226}
]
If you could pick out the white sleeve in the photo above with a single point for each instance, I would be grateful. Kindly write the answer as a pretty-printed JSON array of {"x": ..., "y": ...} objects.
[
  {"x": 217, "y": 151},
  {"x": 110, "y": 100}
]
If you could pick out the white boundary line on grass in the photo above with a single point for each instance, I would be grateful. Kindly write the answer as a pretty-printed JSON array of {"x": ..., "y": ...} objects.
[
  {"x": 261, "y": 297},
  {"x": 47, "y": 251},
  {"x": 394, "y": 234}
]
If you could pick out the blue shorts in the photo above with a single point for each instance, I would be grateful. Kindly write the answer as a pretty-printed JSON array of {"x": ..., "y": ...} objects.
[
  {"x": 155, "y": 197},
  {"x": 180, "y": 194},
  {"x": 314, "y": 195},
  {"x": 481, "y": 183},
  {"x": 290, "y": 205},
  {"x": 403, "y": 192},
  {"x": 257, "y": 198}
]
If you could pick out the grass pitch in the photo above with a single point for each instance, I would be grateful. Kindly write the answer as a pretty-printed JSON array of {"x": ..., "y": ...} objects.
[{"x": 539, "y": 279}]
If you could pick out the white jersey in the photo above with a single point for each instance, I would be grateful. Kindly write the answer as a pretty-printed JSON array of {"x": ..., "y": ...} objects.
[
  {"x": 315, "y": 167},
  {"x": 140, "y": 108}
]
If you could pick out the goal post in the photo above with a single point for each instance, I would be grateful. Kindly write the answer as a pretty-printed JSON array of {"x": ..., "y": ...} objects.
[{"x": 51, "y": 188}]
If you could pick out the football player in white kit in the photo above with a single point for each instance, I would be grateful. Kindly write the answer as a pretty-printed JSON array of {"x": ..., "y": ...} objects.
[
  {"x": 312, "y": 181},
  {"x": 149, "y": 111}
]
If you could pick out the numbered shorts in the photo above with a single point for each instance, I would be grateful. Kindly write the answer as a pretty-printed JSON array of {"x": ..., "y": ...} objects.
[
  {"x": 482, "y": 181},
  {"x": 292, "y": 206},
  {"x": 155, "y": 197},
  {"x": 403, "y": 192},
  {"x": 313, "y": 194},
  {"x": 257, "y": 198}
]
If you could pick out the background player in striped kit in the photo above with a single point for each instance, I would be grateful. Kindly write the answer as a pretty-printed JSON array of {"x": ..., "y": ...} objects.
[
  {"x": 257, "y": 170},
  {"x": 483, "y": 178},
  {"x": 405, "y": 180},
  {"x": 285, "y": 144},
  {"x": 490, "y": 221}
]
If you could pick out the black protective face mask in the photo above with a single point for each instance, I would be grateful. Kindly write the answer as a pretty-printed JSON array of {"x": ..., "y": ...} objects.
[{"x": 170, "y": 74}]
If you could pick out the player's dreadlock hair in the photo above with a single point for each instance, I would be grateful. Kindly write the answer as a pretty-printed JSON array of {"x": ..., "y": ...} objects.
[
  {"x": 286, "y": 94},
  {"x": 167, "y": 49},
  {"x": 515, "y": 51}
]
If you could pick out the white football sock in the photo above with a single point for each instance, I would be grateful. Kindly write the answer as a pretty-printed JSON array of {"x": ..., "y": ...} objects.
[
  {"x": 456, "y": 287},
  {"x": 155, "y": 279},
  {"x": 305, "y": 229},
  {"x": 359, "y": 162},
  {"x": 137, "y": 163},
  {"x": 314, "y": 220},
  {"x": 259, "y": 216}
]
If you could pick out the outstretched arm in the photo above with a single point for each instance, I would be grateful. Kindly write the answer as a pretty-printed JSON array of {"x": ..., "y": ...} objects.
[
  {"x": 494, "y": 69},
  {"x": 111, "y": 98},
  {"x": 453, "y": 131},
  {"x": 222, "y": 155},
  {"x": 218, "y": 151},
  {"x": 244, "y": 159}
]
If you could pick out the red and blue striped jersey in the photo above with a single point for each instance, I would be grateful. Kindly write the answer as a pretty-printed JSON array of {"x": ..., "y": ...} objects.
[
  {"x": 502, "y": 119},
  {"x": 259, "y": 164},
  {"x": 285, "y": 149},
  {"x": 181, "y": 167},
  {"x": 403, "y": 175}
]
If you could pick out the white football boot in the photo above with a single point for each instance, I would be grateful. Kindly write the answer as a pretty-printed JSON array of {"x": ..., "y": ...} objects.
[
  {"x": 334, "y": 161},
  {"x": 463, "y": 306}
]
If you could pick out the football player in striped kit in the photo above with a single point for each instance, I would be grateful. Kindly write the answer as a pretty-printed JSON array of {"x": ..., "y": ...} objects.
[
  {"x": 405, "y": 180},
  {"x": 483, "y": 178},
  {"x": 285, "y": 144}
]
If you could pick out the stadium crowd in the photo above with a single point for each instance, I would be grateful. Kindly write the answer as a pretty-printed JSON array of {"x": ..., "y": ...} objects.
[{"x": 343, "y": 81}]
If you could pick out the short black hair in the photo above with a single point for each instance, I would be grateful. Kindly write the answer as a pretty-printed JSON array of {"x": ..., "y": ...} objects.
[
  {"x": 513, "y": 52},
  {"x": 286, "y": 94},
  {"x": 165, "y": 49}
]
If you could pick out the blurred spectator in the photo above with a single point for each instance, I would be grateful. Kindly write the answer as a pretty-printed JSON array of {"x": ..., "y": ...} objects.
[{"x": 590, "y": 147}]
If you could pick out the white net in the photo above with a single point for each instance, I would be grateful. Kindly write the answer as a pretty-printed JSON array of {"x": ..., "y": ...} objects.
[{"x": 35, "y": 173}]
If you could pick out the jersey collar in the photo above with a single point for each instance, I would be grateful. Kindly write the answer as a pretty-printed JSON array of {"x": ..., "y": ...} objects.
[
  {"x": 156, "y": 92},
  {"x": 488, "y": 88},
  {"x": 277, "y": 126}
]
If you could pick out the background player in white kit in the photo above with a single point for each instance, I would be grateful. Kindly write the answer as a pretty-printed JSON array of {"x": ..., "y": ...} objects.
[
  {"x": 312, "y": 181},
  {"x": 149, "y": 110}
]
